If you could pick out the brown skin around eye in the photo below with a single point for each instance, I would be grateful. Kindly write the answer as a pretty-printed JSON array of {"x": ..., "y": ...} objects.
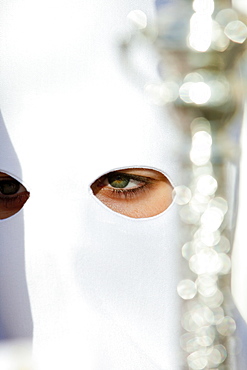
[
  {"x": 13, "y": 196},
  {"x": 150, "y": 194}
]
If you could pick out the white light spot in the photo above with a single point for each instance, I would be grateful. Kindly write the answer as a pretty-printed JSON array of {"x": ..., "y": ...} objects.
[
  {"x": 218, "y": 354},
  {"x": 184, "y": 92},
  {"x": 212, "y": 219},
  {"x": 236, "y": 31},
  {"x": 197, "y": 360},
  {"x": 207, "y": 285},
  {"x": 200, "y": 93},
  {"x": 207, "y": 185},
  {"x": 226, "y": 326},
  {"x": 204, "y": 7},
  {"x": 215, "y": 301},
  {"x": 206, "y": 261},
  {"x": 200, "y": 31},
  {"x": 138, "y": 19},
  {"x": 226, "y": 16},
  {"x": 189, "y": 342},
  {"x": 182, "y": 194},
  {"x": 205, "y": 336},
  {"x": 226, "y": 264},
  {"x": 188, "y": 250},
  {"x": 187, "y": 289},
  {"x": 219, "y": 202},
  {"x": 201, "y": 148}
]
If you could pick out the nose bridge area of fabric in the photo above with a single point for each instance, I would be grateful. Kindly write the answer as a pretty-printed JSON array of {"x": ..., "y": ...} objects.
[{"x": 125, "y": 268}]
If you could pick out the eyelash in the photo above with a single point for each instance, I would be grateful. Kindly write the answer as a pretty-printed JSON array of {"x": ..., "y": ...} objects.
[{"x": 130, "y": 193}]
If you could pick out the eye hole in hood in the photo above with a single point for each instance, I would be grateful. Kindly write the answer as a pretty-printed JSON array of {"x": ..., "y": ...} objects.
[
  {"x": 13, "y": 196},
  {"x": 134, "y": 192}
]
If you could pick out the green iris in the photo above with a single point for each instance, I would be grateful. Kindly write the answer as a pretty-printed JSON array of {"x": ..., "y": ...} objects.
[
  {"x": 118, "y": 180},
  {"x": 9, "y": 187}
]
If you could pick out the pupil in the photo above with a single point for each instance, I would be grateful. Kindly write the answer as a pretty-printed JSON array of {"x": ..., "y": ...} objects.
[
  {"x": 118, "y": 181},
  {"x": 9, "y": 187}
]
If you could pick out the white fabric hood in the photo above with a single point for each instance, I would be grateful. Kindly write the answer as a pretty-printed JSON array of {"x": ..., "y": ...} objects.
[{"x": 102, "y": 285}]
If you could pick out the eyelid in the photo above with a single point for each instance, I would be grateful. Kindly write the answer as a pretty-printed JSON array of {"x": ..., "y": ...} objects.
[
  {"x": 121, "y": 169},
  {"x": 131, "y": 176}
]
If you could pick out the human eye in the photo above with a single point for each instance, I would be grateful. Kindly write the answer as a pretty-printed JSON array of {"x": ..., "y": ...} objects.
[
  {"x": 13, "y": 195},
  {"x": 134, "y": 192},
  {"x": 123, "y": 185}
]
